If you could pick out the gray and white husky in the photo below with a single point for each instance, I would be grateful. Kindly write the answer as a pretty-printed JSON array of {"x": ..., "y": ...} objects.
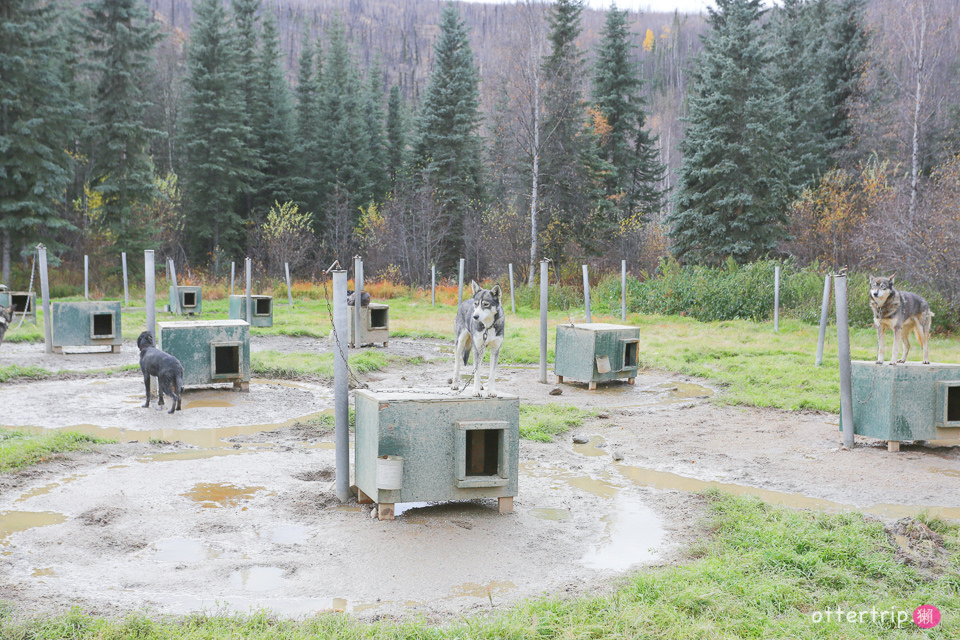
[
  {"x": 901, "y": 312},
  {"x": 480, "y": 324}
]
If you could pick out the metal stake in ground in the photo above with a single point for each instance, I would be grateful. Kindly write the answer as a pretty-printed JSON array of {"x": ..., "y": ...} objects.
[
  {"x": 286, "y": 269},
  {"x": 586, "y": 293},
  {"x": 248, "y": 266},
  {"x": 45, "y": 295},
  {"x": 150, "y": 285},
  {"x": 623, "y": 290},
  {"x": 341, "y": 388},
  {"x": 126, "y": 290},
  {"x": 544, "y": 282},
  {"x": 513, "y": 304},
  {"x": 776, "y": 299},
  {"x": 460, "y": 286},
  {"x": 86, "y": 277},
  {"x": 843, "y": 342},
  {"x": 233, "y": 275},
  {"x": 357, "y": 300},
  {"x": 176, "y": 289},
  {"x": 824, "y": 316},
  {"x": 433, "y": 285}
]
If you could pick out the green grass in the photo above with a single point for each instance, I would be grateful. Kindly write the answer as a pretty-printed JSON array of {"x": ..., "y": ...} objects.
[
  {"x": 764, "y": 572},
  {"x": 273, "y": 364},
  {"x": 541, "y": 422},
  {"x": 19, "y": 450},
  {"x": 18, "y": 372}
]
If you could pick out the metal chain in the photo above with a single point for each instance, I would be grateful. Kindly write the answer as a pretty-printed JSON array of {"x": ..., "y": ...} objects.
[
  {"x": 357, "y": 383},
  {"x": 23, "y": 316}
]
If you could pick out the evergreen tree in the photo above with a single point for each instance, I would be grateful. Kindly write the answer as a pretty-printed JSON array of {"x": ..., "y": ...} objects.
[
  {"x": 733, "y": 188},
  {"x": 449, "y": 149},
  {"x": 216, "y": 163},
  {"x": 306, "y": 148},
  {"x": 843, "y": 68},
  {"x": 35, "y": 125},
  {"x": 245, "y": 19},
  {"x": 122, "y": 39},
  {"x": 627, "y": 190},
  {"x": 376, "y": 169},
  {"x": 564, "y": 196},
  {"x": 396, "y": 135},
  {"x": 272, "y": 116}
]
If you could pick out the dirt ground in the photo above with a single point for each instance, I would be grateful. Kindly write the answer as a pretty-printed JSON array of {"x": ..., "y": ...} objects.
[{"x": 230, "y": 504}]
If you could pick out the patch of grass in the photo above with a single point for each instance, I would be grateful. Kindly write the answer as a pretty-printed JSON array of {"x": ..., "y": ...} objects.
[
  {"x": 541, "y": 422},
  {"x": 19, "y": 450},
  {"x": 18, "y": 372},
  {"x": 762, "y": 572},
  {"x": 273, "y": 364}
]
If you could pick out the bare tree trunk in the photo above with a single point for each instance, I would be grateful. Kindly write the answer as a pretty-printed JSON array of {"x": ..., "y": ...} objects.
[{"x": 917, "y": 103}]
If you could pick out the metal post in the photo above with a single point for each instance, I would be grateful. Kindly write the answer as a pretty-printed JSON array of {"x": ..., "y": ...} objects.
[
  {"x": 544, "y": 264},
  {"x": 623, "y": 290},
  {"x": 45, "y": 296},
  {"x": 233, "y": 275},
  {"x": 150, "y": 284},
  {"x": 176, "y": 289},
  {"x": 126, "y": 290},
  {"x": 513, "y": 304},
  {"x": 776, "y": 299},
  {"x": 86, "y": 277},
  {"x": 433, "y": 285},
  {"x": 357, "y": 307},
  {"x": 460, "y": 280},
  {"x": 586, "y": 293},
  {"x": 286, "y": 269},
  {"x": 341, "y": 413},
  {"x": 248, "y": 267},
  {"x": 843, "y": 342},
  {"x": 824, "y": 315}
]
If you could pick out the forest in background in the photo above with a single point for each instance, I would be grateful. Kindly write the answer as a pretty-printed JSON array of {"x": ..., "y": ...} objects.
[{"x": 885, "y": 196}]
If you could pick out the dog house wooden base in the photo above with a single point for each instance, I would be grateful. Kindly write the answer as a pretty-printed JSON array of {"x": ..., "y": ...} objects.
[
  {"x": 211, "y": 351},
  {"x": 262, "y": 310},
  {"x": 86, "y": 324},
  {"x": 424, "y": 446},
  {"x": 597, "y": 352},
  {"x": 374, "y": 325},
  {"x": 190, "y": 300},
  {"x": 910, "y": 401}
]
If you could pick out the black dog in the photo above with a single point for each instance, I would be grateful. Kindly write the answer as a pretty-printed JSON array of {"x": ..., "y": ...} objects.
[
  {"x": 165, "y": 367},
  {"x": 6, "y": 315},
  {"x": 364, "y": 298}
]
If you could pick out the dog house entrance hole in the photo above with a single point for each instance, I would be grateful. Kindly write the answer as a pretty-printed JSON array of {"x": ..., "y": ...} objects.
[
  {"x": 261, "y": 306},
  {"x": 21, "y": 302},
  {"x": 101, "y": 326},
  {"x": 483, "y": 452},
  {"x": 378, "y": 318},
  {"x": 189, "y": 299},
  {"x": 953, "y": 404},
  {"x": 630, "y": 349},
  {"x": 226, "y": 360}
]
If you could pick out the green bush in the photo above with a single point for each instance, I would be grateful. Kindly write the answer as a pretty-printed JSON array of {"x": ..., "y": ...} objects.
[{"x": 746, "y": 292}]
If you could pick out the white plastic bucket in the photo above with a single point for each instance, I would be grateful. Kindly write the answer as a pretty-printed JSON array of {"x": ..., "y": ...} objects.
[{"x": 389, "y": 472}]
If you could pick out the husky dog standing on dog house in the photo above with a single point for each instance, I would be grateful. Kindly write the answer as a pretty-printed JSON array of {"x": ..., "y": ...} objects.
[
  {"x": 901, "y": 312},
  {"x": 480, "y": 324}
]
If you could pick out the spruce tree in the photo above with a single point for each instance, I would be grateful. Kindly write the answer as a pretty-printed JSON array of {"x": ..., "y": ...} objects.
[
  {"x": 216, "y": 164},
  {"x": 448, "y": 150},
  {"x": 377, "y": 172},
  {"x": 122, "y": 39},
  {"x": 35, "y": 125},
  {"x": 734, "y": 182},
  {"x": 844, "y": 67},
  {"x": 307, "y": 165},
  {"x": 246, "y": 32},
  {"x": 272, "y": 117},
  {"x": 396, "y": 135}
]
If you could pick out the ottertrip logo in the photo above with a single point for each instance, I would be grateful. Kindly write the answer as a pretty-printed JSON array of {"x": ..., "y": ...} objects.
[{"x": 925, "y": 616}]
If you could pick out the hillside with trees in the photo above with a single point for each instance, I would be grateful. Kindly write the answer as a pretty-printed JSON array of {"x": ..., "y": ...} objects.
[{"x": 419, "y": 132}]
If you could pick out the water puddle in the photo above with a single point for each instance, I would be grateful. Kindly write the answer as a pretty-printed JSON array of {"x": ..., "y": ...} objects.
[
  {"x": 257, "y": 579},
  {"x": 208, "y": 403},
  {"x": 46, "y": 572},
  {"x": 47, "y": 488},
  {"x": 183, "y": 551},
  {"x": 633, "y": 534},
  {"x": 474, "y": 590},
  {"x": 550, "y": 513},
  {"x": 12, "y": 522},
  {"x": 667, "y": 480},
  {"x": 663, "y": 394},
  {"x": 215, "y": 495},
  {"x": 290, "y": 534},
  {"x": 952, "y": 473},
  {"x": 192, "y": 454},
  {"x": 595, "y": 447},
  {"x": 601, "y": 487},
  {"x": 200, "y": 437}
]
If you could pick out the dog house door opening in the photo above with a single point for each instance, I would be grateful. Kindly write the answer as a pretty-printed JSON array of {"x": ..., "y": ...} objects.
[
  {"x": 953, "y": 404},
  {"x": 483, "y": 452},
  {"x": 189, "y": 299},
  {"x": 21, "y": 303},
  {"x": 261, "y": 306},
  {"x": 101, "y": 326},
  {"x": 226, "y": 360},
  {"x": 378, "y": 318},
  {"x": 630, "y": 349}
]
